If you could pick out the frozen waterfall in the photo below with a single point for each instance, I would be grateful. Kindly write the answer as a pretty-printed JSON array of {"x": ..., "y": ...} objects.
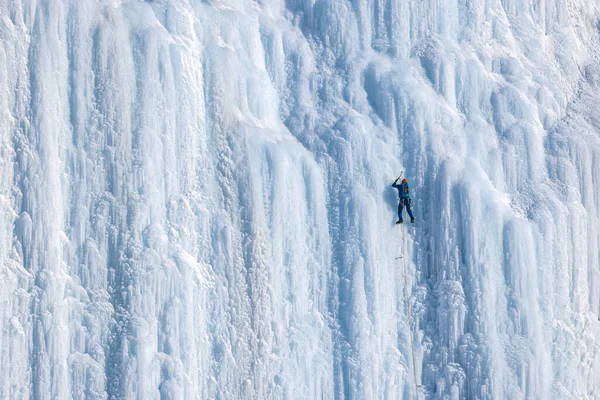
[{"x": 195, "y": 199}]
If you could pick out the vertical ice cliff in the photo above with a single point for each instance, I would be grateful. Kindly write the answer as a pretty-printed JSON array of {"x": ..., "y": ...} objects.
[{"x": 195, "y": 200}]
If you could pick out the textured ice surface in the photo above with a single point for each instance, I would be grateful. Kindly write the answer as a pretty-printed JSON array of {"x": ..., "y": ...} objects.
[{"x": 195, "y": 199}]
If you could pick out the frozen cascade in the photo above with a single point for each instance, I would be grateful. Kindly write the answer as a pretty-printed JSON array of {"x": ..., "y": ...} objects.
[{"x": 195, "y": 200}]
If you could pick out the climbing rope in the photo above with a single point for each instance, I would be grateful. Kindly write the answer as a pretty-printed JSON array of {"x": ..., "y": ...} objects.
[{"x": 412, "y": 348}]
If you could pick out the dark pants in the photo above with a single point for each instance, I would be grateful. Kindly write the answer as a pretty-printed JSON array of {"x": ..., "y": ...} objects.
[{"x": 404, "y": 202}]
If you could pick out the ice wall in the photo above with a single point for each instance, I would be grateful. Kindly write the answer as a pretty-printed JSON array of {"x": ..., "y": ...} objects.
[{"x": 195, "y": 200}]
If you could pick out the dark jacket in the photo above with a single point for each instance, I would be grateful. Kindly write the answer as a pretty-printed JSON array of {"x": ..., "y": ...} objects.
[{"x": 403, "y": 191}]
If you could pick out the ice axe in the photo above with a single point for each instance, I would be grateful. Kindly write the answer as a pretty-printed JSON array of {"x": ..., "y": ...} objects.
[{"x": 399, "y": 176}]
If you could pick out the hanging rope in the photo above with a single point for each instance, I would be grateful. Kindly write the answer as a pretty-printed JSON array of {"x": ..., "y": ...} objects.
[{"x": 408, "y": 315}]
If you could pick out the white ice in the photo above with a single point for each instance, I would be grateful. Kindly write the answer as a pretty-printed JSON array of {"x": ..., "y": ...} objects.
[{"x": 195, "y": 199}]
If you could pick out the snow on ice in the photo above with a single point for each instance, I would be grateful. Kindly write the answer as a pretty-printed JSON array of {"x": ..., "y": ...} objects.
[{"x": 195, "y": 199}]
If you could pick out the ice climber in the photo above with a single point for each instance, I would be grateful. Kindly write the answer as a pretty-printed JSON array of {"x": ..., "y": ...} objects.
[{"x": 405, "y": 200}]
